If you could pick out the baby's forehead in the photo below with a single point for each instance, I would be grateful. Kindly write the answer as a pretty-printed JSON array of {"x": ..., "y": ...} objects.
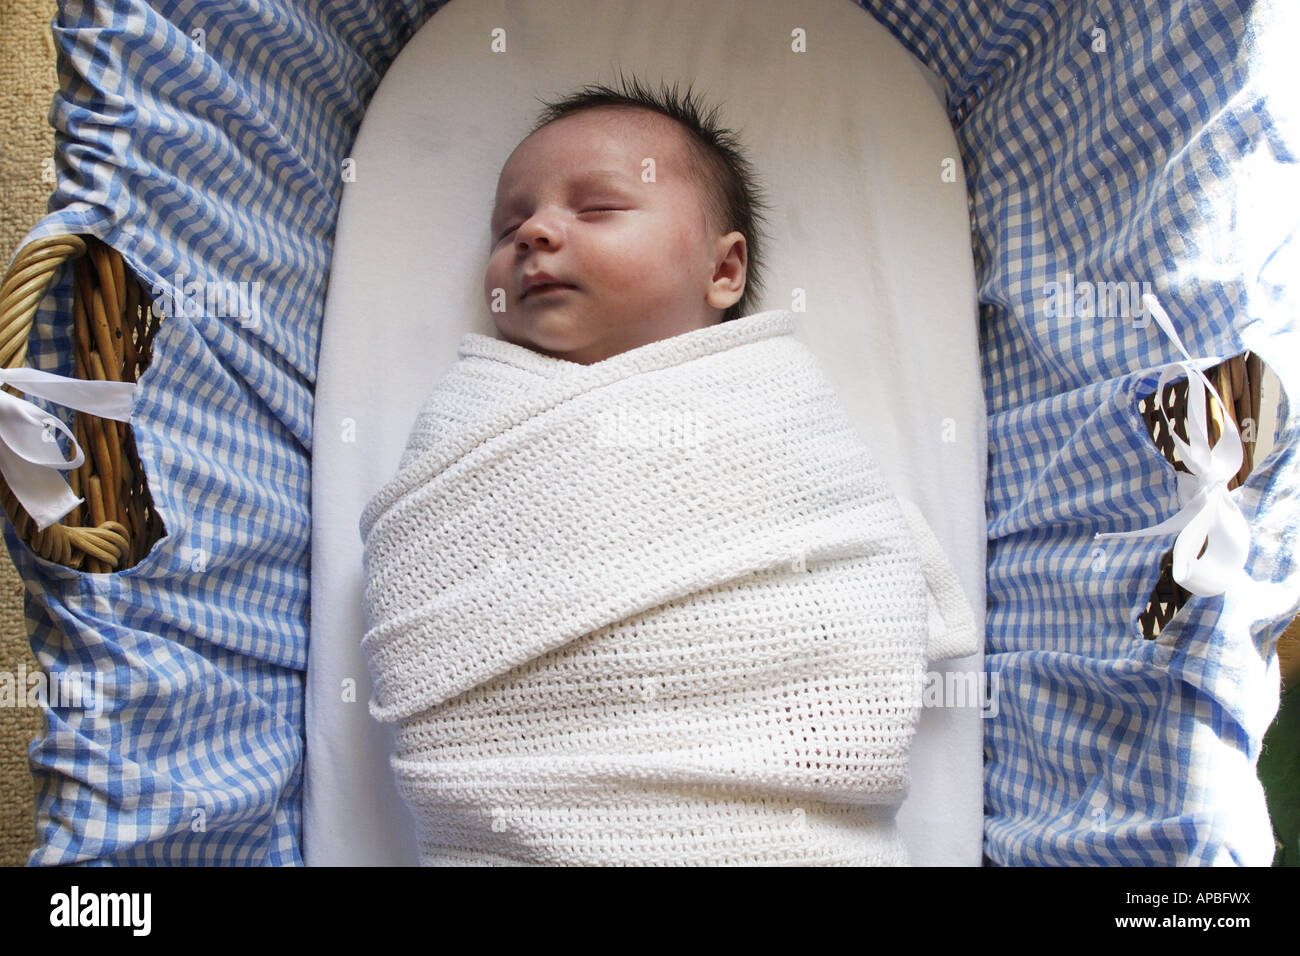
[{"x": 663, "y": 137}]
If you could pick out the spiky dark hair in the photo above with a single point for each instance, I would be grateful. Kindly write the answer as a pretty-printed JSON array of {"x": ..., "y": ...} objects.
[{"x": 721, "y": 170}]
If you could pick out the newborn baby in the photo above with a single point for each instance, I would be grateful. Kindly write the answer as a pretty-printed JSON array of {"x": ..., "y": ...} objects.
[
  {"x": 601, "y": 646},
  {"x": 624, "y": 218}
]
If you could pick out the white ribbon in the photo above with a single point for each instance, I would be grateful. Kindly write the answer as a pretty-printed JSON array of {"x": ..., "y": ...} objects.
[
  {"x": 1208, "y": 514},
  {"x": 29, "y": 455}
]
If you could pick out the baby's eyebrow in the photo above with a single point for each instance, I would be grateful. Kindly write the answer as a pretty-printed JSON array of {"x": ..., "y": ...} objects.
[{"x": 600, "y": 177}]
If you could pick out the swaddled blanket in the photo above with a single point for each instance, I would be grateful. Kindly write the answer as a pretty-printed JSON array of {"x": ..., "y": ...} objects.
[{"x": 661, "y": 609}]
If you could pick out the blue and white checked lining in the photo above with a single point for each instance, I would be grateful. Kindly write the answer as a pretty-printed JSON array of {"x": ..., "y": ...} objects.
[{"x": 1121, "y": 164}]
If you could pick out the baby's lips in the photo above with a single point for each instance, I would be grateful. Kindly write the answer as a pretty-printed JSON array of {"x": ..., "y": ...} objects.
[{"x": 544, "y": 284}]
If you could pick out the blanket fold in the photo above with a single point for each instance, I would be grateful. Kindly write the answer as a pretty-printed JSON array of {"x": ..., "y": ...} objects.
[{"x": 662, "y": 608}]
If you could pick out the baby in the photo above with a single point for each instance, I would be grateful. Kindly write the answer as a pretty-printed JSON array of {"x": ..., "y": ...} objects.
[
  {"x": 603, "y": 647},
  {"x": 623, "y": 218}
]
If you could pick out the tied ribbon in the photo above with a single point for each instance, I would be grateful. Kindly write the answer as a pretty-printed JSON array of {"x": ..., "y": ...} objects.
[
  {"x": 29, "y": 456},
  {"x": 1208, "y": 515}
]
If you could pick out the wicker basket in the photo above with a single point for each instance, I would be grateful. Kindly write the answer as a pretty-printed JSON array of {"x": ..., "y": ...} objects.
[
  {"x": 1237, "y": 381},
  {"x": 113, "y": 329}
]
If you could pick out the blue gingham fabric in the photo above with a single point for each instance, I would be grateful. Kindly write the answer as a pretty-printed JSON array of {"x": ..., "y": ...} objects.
[
  {"x": 1122, "y": 143},
  {"x": 204, "y": 141}
]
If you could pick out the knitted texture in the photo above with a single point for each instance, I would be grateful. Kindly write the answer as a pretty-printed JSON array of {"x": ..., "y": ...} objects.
[{"x": 662, "y": 609}]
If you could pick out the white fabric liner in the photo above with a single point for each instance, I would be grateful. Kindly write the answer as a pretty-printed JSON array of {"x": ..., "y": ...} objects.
[{"x": 851, "y": 141}]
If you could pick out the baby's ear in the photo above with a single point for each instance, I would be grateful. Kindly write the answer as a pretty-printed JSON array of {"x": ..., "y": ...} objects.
[{"x": 729, "y": 273}]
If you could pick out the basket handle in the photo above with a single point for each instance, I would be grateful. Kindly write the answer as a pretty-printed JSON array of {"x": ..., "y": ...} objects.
[{"x": 103, "y": 296}]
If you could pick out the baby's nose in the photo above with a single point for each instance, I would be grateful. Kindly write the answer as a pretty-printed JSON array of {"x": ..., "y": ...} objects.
[{"x": 537, "y": 231}]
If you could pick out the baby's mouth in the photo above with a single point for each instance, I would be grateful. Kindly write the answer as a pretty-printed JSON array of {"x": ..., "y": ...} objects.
[{"x": 544, "y": 288}]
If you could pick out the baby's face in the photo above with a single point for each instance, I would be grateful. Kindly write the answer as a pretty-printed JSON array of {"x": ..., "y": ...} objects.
[{"x": 591, "y": 259}]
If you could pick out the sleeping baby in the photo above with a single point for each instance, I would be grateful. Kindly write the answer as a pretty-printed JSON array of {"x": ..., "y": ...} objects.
[
  {"x": 618, "y": 224},
  {"x": 612, "y": 644}
]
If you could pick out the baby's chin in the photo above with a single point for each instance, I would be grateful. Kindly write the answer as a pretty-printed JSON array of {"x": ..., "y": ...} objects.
[{"x": 550, "y": 331}]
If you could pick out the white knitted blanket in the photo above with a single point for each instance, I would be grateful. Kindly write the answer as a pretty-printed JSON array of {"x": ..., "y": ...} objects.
[{"x": 657, "y": 610}]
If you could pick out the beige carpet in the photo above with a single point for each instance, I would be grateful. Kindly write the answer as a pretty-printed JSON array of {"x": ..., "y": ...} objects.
[{"x": 27, "y": 83}]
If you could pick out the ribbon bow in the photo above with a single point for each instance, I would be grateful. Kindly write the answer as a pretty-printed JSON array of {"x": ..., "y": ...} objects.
[
  {"x": 29, "y": 455},
  {"x": 1208, "y": 515}
]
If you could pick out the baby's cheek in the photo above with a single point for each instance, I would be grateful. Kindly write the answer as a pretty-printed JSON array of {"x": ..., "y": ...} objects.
[
  {"x": 645, "y": 277},
  {"x": 492, "y": 280},
  {"x": 687, "y": 248}
]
